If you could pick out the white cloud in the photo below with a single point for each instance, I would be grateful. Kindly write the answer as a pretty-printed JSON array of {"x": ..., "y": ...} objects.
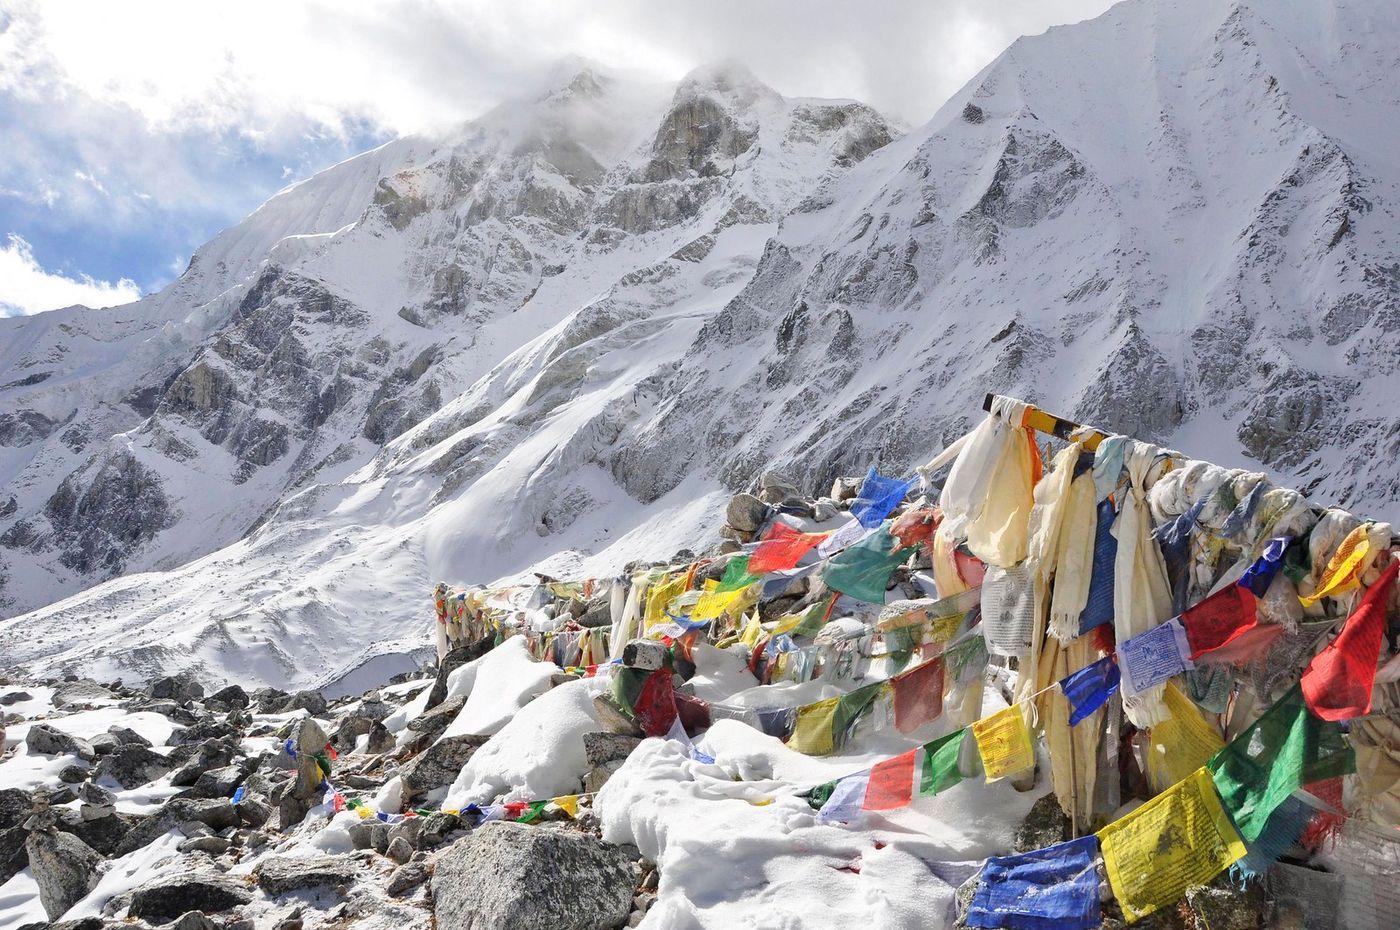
[{"x": 25, "y": 287}]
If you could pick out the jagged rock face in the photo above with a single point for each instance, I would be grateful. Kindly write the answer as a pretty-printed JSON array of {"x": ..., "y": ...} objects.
[
  {"x": 584, "y": 335},
  {"x": 286, "y": 355}
]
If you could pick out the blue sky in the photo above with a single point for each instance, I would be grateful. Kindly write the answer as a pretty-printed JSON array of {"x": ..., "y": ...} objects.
[{"x": 132, "y": 132}]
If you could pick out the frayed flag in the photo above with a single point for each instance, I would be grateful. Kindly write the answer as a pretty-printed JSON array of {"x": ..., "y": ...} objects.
[{"x": 1090, "y": 688}]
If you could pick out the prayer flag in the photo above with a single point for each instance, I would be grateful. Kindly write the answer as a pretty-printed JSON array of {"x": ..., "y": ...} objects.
[
  {"x": 1055, "y": 888},
  {"x": 1219, "y": 619},
  {"x": 533, "y": 812},
  {"x": 1090, "y": 688},
  {"x": 776, "y": 721},
  {"x": 714, "y": 602},
  {"x": 850, "y": 707},
  {"x": 1152, "y": 657},
  {"x": 783, "y": 549},
  {"x": 940, "y": 768},
  {"x": 1260, "y": 575},
  {"x": 568, "y": 804},
  {"x": 1284, "y": 749},
  {"x": 878, "y": 496},
  {"x": 1004, "y": 742},
  {"x": 1181, "y": 743},
  {"x": 1338, "y": 682},
  {"x": 846, "y": 799},
  {"x": 863, "y": 570},
  {"x": 811, "y": 733},
  {"x": 656, "y": 705},
  {"x": 1343, "y": 572},
  {"x": 1180, "y": 838},
  {"x": 659, "y": 595},
  {"x": 736, "y": 575},
  {"x": 918, "y": 695},
  {"x": 847, "y": 534},
  {"x": 891, "y": 783}
]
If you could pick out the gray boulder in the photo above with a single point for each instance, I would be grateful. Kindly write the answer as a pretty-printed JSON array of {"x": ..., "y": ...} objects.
[
  {"x": 221, "y": 782},
  {"x": 490, "y": 880},
  {"x": 454, "y": 660},
  {"x": 216, "y": 814},
  {"x": 202, "y": 731},
  {"x": 439, "y": 764},
  {"x": 213, "y": 754},
  {"x": 81, "y": 693},
  {"x": 131, "y": 766},
  {"x": 15, "y": 805},
  {"x": 96, "y": 801},
  {"x": 281, "y": 874},
  {"x": 406, "y": 878},
  {"x": 178, "y": 688},
  {"x": 104, "y": 834},
  {"x": 193, "y": 920},
  {"x": 165, "y": 899},
  {"x": 225, "y": 699},
  {"x": 13, "y": 858},
  {"x": 400, "y": 850},
  {"x": 125, "y": 736},
  {"x": 52, "y": 741},
  {"x": 745, "y": 513},
  {"x": 380, "y": 740},
  {"x": 10, "y": 698},
  {"x": 64, "y": 868},
  {"x": 313, "y": 702}
]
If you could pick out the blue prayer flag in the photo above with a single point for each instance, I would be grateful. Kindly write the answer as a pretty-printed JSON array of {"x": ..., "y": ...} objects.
[
  {"x": 878, "y": 496},
  {"x": 1090, "y": 688},
  {"x": 1260, "y": 575},
  {"x": 1098, "y": 607},
  {"x": 1056, "y": 888}
]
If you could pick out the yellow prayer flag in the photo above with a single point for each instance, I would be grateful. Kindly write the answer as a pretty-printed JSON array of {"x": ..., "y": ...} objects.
[
  {"x": 1004, "y": 742},
  {"x": 713, "y": 603},
  {"x": 659, "y": 597},
  {"x": 1178, "y": 839},
  {"x": 1182, "y": 743},
  {"x": 1343, "y": 572},
  {"x": 568, "y": 804},
  {"x": 752, "y": 632},
  {"x": 942, "y": 629},
  {"x": 812, "y": 732}
]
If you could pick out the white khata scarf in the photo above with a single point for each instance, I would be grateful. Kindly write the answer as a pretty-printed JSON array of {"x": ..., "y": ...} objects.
[
  {"x": 1141, "y": 592},
  {"x": 1074, "y": 560}
]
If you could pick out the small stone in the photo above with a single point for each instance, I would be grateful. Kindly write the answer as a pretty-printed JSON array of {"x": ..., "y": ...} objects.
[
  {"x": 214, "y": 845},
  {"x": 126, "y": 736},
  {"x": 193, "y": 920},
  {"x": 406, "y": 878},
  {"x": 73, "y": 773},
  {"x": 400, "y": 850},
  {"x": 380, "y": 740}
]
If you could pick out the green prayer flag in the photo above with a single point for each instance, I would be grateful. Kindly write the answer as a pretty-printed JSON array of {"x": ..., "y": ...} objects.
[
  {"x": 814, "y": 618},
  {"x": 849, "y": 709},
  {"x": 941, "y": 763},
  {"x": 863, "y": 571},
  {"x": 736, "y": 575},
  {"x": 1285, "y": 749},
  {"x": 532, "y": 813},
  {"x": 819, "y": 795}
]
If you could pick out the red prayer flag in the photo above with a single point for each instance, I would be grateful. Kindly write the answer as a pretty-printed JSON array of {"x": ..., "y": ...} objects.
[
  {"x": 1219, "y": 618},
  {"x": 694, "y": 713},
  {"x": 1337, "y": 683},
  {"x": 891, "y": 783},
  {"x": 656, "y": 704},
  {"x": 782, "y": 550},
  {"x": 918, "y": 695}
]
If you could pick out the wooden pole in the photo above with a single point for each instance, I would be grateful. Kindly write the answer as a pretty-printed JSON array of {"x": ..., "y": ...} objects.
[{"x": 1041, "y": 421}]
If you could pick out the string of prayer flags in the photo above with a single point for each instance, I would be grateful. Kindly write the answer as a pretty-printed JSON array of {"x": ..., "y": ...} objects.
[
  {"x": 891, "y": 784},
  {"x": 1261, "y": 572},
  {"x": 1004, "y": 742},
  {"x": 1180, "y": 838},
  {"x": 940, "y": 767},
  {"x": 863, "y": 570},
  {"x": 714, "y": 602},
  {"x": 1090, "y": 688},
  {"x": 850, "y": 707},
  {"x": 878, "y": 496},
  {"x": 783, "y": 549},
  {"x": 1338, "y": 682},
  {"x": 1287, "y": 747},
  {"x": 1055, "y": 888},
  {"x": 1219, "y": 619},
  {"x": 1154, "y": 656},
  {"x": 918, "y": 695},
  {"x": 1343, "y": 572}
]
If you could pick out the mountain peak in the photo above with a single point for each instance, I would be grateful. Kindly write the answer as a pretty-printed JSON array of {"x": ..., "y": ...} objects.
[{"x": 729, "y": 79}]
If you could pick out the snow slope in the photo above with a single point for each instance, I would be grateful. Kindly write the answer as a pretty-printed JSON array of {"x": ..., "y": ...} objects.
[{"x": 562, "y": 338}]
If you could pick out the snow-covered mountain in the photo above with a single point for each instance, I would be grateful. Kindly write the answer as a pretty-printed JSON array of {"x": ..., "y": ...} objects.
[{"x": 562, "y": 336}]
